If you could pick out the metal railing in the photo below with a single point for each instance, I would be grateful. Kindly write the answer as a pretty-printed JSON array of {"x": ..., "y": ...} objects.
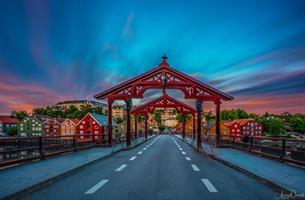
[
  {"x": 278, "y": 148},
  {"x": 17, "y": 150},
  {"x": 283, "y": 149}
]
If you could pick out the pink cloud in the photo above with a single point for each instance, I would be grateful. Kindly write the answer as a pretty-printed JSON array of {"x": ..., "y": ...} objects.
[
  {"x": 17, "y": 95},
  {"x": 127, "y": 32}
]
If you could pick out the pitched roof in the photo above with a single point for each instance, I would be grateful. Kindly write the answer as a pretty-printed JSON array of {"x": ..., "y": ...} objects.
[
  {"x": 75, "y": 121},
  {"x": 102, "y": 119},
  {"x": 163, "y": 66},
  {"x": 241, "y": 122},
  {"x": 42, "y": 118},
  {"x": 8, "y": 119},
  {"x": 59, "y": 120}
]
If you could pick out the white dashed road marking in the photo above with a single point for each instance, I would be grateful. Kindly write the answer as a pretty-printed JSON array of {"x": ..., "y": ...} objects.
[
  {"x": 140, "y": 152},
  {"x": 121, "y": 168},
  {"x": 187, "y": 158},
  {"x": 181, "y": 149},
  {"x": 183, "y": 153},
  {"x": 209, "y": 185},
  {"x": 132, "y": 158},
  {"x": 97, "y": 186},
  {"x": 195, "y": 168}
]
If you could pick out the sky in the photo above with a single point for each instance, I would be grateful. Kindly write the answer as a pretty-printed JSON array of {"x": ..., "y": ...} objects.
[{"x": 59, "y": 50}]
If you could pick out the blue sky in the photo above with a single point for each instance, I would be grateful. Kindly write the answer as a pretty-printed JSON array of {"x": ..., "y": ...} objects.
[{"x": 63, "y": 50}]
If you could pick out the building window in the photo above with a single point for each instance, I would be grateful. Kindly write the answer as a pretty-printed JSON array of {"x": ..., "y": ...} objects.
[
  {"x": 83, "y": 122},
  {"x": 81, "y": 132},
  {"x": 96, "y": 127},
  {"x": 93, "y": 122},
  {"x": 81, "y": 126}
]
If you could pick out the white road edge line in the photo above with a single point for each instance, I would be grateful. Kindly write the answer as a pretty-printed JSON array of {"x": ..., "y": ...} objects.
[
  {"x": 97, "y": 186},
  {"x": 209, "y": 185},
  {"x": 187, "y": 158},
  {"x": 195, "y": 168},
  {"x": 140, "y": 152},
  {"x": 121, "y": 168},
  {"x": 132, "y": 158}
]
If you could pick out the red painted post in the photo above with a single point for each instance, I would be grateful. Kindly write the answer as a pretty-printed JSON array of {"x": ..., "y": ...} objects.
[
  {"x": 128, "y": 133},
  {"x": 217, "y": 124},
  {"x": 135, "y": 126},
  {"x": 194, "y": 127},
  {"x": 109, "y": 122},
  {"x": 146, "y": 128},
  {"x": 183, "y": 126},
  {"x": 199, "y": 110}
]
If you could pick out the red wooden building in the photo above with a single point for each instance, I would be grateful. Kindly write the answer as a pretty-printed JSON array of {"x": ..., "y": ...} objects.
[
  {"x": 92, "y": 126},
  {"x": 52, "y": 127},
  {"x": 245, "y": 127}
]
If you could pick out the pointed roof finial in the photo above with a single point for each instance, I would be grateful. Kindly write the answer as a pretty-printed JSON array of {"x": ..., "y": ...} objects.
[{"x": 164, "y": 61}]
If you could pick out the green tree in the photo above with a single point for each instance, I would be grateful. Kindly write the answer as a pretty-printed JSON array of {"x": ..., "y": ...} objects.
[
  {"x": 19, "y": 115},
  {"x": 179, "y": 117},
  {"x": 274, "y": 126},
  {"x": 119, "y": 120},
  {"x": 297, "y": 124},
  {"x": 12, "y": 131}
]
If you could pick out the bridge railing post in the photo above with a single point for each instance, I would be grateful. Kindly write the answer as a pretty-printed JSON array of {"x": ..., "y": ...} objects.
[
  {"x": 251, "y": 143},
  {"x": 74, "y": 143},
  {"x": 40, "y": 144},
  {"x": 283, "y": 153}
]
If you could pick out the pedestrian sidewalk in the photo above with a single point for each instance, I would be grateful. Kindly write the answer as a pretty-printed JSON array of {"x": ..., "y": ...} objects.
[
  {"x": 32, "y": 175},
  {"x": 286, "y": 176}
]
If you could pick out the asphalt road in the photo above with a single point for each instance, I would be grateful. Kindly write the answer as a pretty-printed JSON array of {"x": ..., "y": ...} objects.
[{"x": 162, "y": 168}]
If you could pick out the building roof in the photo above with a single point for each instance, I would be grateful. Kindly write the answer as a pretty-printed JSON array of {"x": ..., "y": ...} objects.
[
  {"x": 8, "y": 119},
  {"x": 75, "y": 121},
  {"x": 101, "y": 119},
  {"x": 241, "y": 122},
  {"x": 42, "y": 118},
  {"x": 60, "y": 120}
]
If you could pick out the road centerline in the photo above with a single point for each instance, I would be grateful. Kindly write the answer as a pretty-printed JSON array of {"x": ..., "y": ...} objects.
[
  {"x": 132, "y": 158},
  {"x": 97, "y": 186},
  {"x": 209, "y": 185},
  {"x": 121, "y": 168},
  {"x": 195, "y": 168}
]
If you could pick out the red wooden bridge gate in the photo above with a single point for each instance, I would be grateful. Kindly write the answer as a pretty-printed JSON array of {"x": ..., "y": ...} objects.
[{"x": 164, "y": 77}]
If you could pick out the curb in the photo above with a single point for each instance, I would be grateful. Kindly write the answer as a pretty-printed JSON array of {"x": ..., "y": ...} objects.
[
  {"x": 54, "y": 179},
  {"x": 265, "y": 181}
]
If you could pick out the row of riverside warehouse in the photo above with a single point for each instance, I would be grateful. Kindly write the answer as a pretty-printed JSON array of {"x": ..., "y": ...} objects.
[
  {"x": 238, "y": 128},
  {"x": 40, "y": 125}
]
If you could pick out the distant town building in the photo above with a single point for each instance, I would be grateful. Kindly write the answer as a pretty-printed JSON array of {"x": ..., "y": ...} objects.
[
  {"x": 52, "y": 126},
  {"x": 68, "y": 127},
  {"x": 118, "y": 112},
  {"x": 245, "y": 127},
  {"x": 169, "y": 118},
  {"x": 32, "y": 126},
  {"x": 7, "y": 122},
  {"x": 92, "y": 124},
  {"x": 210, "y": 129},
  {"x": 79, "y": 103}
]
